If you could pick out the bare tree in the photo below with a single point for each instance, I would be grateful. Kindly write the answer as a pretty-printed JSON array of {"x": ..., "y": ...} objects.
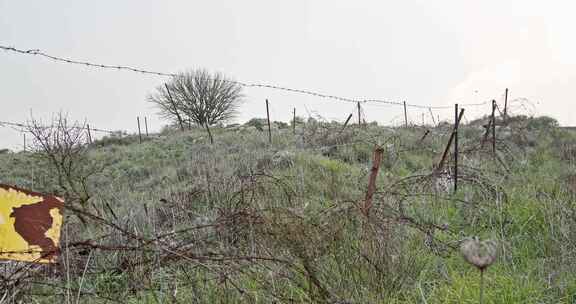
[
  {"x": 63, "y": 146},
  {"x": 198, "y": 97}
]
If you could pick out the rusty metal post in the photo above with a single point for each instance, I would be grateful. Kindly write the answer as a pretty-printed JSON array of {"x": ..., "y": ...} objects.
[
  {"x": 269, "y": 127},
  {"x": 494, "y": 128},
  {"x": 487, "y": 132},
  {"x": 405, "y": 116},
  {"x": 359, "y": 115},
  {"x": 377, "y": 158},
  {"x": 175, "y": 108},
  {"x": 432, "y": 115},
  {"x": 294, "y": 123},
  {"x": 506, "y": 105},
  {"x": 456, "y": 126},
  {"x": 139, "y": 132},
  {"x": 89, "y": 135},
  {"x": 424, "y": 136},
  {"x": 346, "y": 123},
  {"x": 445, "y": 154}
]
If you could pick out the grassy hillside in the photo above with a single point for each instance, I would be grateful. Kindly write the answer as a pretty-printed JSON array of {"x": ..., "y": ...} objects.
[{"x": 177, "y": 220}]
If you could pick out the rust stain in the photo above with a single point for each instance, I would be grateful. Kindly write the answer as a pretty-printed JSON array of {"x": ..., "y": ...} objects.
[{"x": 30, "y": 226}]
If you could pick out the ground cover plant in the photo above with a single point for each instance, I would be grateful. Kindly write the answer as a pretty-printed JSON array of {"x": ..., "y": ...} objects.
[{"x": 177, "y": 219}]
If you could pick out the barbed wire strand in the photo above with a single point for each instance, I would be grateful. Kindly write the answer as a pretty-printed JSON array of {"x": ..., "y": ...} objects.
[
  {"x": 37, "y": 52},
  {"x": 25, "y": 126}
]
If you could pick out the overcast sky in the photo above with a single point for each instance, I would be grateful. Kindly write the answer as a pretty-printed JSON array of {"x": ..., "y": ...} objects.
[{"x": 425, "y": 52}]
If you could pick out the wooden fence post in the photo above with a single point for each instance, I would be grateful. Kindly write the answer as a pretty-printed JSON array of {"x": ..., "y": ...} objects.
[
  {"x": 24, "y": 134},
  {"x": 139, "y": 132},
  {"x": 456, "y": 126},
  {"x": 269, "y": 127},
  {"x": 89, "y": 135},
  {"x": 405, "y": 116}
]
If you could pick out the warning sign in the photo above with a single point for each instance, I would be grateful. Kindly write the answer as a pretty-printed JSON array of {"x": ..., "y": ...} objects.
[{"x": 29, "y": 225}]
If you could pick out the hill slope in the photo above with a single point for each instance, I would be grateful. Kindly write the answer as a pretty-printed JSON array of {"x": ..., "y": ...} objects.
[{"x": 245, "y": 221}]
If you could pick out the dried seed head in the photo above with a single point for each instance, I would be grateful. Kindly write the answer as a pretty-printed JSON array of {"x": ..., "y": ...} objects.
[{"x": 479, "y": 253}]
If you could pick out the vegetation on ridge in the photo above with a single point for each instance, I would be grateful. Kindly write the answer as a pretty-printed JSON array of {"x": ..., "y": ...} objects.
[{"x": 176, "y": 219}]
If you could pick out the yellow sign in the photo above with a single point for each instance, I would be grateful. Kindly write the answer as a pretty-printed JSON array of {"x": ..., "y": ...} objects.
[{"x": 29, "y": 225}]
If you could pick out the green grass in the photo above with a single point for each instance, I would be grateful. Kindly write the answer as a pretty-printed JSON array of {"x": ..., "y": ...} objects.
[{"x": 296, "y": 200}]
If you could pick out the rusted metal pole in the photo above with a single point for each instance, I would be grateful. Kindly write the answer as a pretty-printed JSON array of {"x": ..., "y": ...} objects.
[
  {"x": 405, "y": 116},
  {"x": 494, "y": 128},
  {"x": 294, "y": 122},
  {"x": 89, "y": 135},
  {"x": 432, "y": 115},
  {"x": 487, "y": 132},
  {"x": 424, "y": 136},
  {"x": 139, "y": 132},
  {"x": 346, "y": 123},
  {"x": 377, "y": 158},
  {"x": 175, "y": 108},
  {"x": 445, "y": 154},
  {"x": 359, "y": 115},
  {"x": 506, "y": 105},
  {"x": 269, "y": 127},
  {"x": 456, "y": 125}
]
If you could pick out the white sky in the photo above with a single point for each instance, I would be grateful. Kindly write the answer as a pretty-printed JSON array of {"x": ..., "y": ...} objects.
[{"x": 426, "y": 52}]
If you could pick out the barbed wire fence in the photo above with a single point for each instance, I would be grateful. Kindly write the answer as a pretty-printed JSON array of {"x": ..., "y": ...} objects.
[
  {"x": 360, "y": 102},
  {"x": 171, "y": 246}
]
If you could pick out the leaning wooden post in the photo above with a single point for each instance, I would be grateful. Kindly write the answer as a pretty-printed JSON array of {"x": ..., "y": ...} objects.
[
  {"x": 294, "y": 123},
  {"x": 89, "y": 135},
  {"x": 346, "y": 123},
  {"x": 493, "y": 128},
  {"x": 146, "y": 125},
  {"x": 445, "y": 154},
  {"x": 269, "y": 127},
  {"x": 456, "y": 125},
  {"x": 139, "y": 132},
  {"x": 377, "y": 158},
  {"x": 405, "y": 116},
  {"x": 175, "y": 108}
]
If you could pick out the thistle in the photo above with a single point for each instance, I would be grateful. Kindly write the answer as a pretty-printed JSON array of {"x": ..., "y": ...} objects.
[{"x": 481, "y": 254}]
